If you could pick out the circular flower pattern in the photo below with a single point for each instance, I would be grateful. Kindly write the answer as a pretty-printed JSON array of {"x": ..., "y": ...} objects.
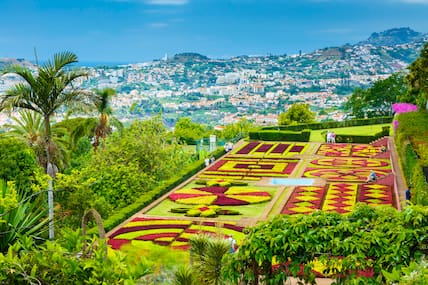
[{"x": 218, "y": 195}]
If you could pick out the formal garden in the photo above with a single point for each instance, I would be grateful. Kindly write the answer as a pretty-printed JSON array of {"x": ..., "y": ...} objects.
[{"x": 89, "y": 200}]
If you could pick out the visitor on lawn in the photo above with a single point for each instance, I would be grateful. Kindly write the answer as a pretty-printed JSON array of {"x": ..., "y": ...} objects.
[
  {"x": 232, "y": 243},
  {"x": 372, "y": 176},
  {"x": 207, "y": 161},
  {"x": 332, "y": 137},
  {"x": 328, "y": 137},
  {"x": 212, "y": 159}
]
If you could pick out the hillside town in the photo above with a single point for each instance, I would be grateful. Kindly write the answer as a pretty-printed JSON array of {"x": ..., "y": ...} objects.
[{"x": 259, "y": 88}]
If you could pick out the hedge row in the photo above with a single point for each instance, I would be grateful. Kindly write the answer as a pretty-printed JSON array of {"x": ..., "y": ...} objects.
[
  {"x": 413, "y": 128},
  {"x": 275, "y": 135},
  {"x": 343, "y": 138},
  {"x": 150, "y": 196},
  {"x": 332, "y": 124}
]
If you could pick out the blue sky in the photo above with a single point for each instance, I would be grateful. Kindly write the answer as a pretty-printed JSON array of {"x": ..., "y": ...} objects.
[{"x": 142, "y": 30}]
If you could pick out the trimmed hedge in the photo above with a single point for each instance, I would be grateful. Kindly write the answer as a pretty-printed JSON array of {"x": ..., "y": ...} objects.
[
  {"x": 150, "y": 196},
  {"x": 275, "y": 135},
  {"x": 332, "y": 124},
  {"x": 343, "y": 138}
]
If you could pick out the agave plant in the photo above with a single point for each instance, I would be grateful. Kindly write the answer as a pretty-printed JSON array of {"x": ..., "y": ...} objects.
[{"x": 20, "y": 216}]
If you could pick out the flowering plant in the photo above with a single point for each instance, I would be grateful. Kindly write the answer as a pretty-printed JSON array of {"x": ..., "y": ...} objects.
[{"x": 399, "y": 108}]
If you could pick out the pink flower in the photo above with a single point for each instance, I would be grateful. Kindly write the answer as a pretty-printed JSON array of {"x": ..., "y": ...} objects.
[{"x": 404, "y": 108}]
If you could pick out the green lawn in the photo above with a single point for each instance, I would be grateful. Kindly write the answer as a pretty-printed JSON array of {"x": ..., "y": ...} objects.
[{"x": 319, "y": 135}]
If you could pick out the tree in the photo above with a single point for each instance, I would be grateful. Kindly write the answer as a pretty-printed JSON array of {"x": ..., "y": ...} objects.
[
  {"x": 297, "y": 114},
  {"x": 186, "y": 130},
  {"x": 377, "y": 100},
  {"x": 418, "y": 79},
  {"x": 18, "y": 164},
  {"x": 102, "y": 103},
  {"x": 44, "y": 93},
  {"x": 29, "y": 126}
]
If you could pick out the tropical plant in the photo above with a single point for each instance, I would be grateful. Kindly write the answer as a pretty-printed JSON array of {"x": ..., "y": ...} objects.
[
  {"x": 357, "y": 247},
  {"x": 20, "y": 215},
  {"x": 29, "y": 128},
  {"x": 45, "y": 93},
  {"x": 206, "y": 253},
  {"x": 102, "y": 103},
  {"x": 62, "y": 262}
]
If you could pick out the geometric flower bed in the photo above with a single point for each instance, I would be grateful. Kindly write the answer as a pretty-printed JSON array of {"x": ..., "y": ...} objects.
[
  {"x": 169, "y": 232},
  {"x": 340, "y": 197},
  {"x": 304, "y": 200},
  {"x": 270, "y": 149},
  {"x": 344, "y": 174},
  {"x": 220, "y": 195},
  {"x": 250, "y": 168},
  {"x": 342, "y": 149},
  {"x": 350, "y": 162},
  {"x": 376, "y": 194}
]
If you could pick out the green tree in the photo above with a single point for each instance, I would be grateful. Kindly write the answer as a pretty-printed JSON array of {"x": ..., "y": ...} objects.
[
  {"x": 102, "y": 103},
  {"x": 297, "y": 114},
  {"x": 377, "y": 100},
  {"x": 418, "y": 79},
  {"x": 18, "y": 164},
  {"x": 45, "y": 93},
  {"x": 29, "y": 127},
  {"x": 186, "y": 130}
]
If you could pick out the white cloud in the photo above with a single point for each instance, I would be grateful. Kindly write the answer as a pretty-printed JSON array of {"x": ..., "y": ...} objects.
[{"x": 167, "y": 2}]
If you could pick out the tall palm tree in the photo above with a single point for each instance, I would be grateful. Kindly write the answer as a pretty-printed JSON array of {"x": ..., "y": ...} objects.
[
  {"x": 102, "y": 103},
  {"x": 29, "y": 127},
  {"x": 44, "y": 92}
]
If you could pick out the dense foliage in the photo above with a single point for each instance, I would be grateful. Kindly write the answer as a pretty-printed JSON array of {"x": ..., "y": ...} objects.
[
  {"x": 373, "y": 240},
  {"x": 65, "y": 262},
  {"x": 131, "y": 164},
  {"x": 298, "y": 113},
  {"x": 377, "y": 100},
  {"x": 418, "y": 79}
]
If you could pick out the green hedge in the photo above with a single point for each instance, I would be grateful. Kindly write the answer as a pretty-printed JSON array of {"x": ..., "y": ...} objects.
[
  {"x": 150, "y": 196},
  {"x": 343, "y": 138},
  {"x": 275, "y": 135},
  {"x": 332, "y": 124}
]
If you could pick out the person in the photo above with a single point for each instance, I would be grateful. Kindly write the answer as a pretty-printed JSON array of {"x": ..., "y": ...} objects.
[
  {"x": 212, "y": 159},
  {"x": 232, "y": 244},
  {"x": 408, "y": 195},
  {"x": 328, "y": 137},
  {"x": 332, "y": 137},
  {"x": 383, "y": 149},
  {"x": 372, "y": 176},
  {"x": 207, "y": 161}
]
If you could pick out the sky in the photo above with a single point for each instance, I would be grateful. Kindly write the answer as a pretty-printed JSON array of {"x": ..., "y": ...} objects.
[{"x": 130, "y": 31}]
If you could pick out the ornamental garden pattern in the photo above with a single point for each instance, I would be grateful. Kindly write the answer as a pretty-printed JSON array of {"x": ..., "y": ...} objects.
[{"x": 236, "y": 191}]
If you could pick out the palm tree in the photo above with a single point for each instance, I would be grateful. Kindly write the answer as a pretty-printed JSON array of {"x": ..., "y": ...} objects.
[
  {"x": 102, "y": 103},
  {"x": 29, "y": 128},
  {"x": 44, "y": 92}
]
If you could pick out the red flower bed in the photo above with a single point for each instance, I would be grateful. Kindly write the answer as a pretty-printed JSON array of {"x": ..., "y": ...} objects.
[
  {"x": 280, "y": 148},
  {"x": 223, "y": 200},
  {"x": 296, "y": 148},
  {"x": 213, "y": 189},
  {"x": 156, "y": 236},
  {"x": 264, "y": 147},
  {"x": 124, "y": 230},
  {"x": 117, "y": 243},
  {"x": 248, "y": 148}
]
